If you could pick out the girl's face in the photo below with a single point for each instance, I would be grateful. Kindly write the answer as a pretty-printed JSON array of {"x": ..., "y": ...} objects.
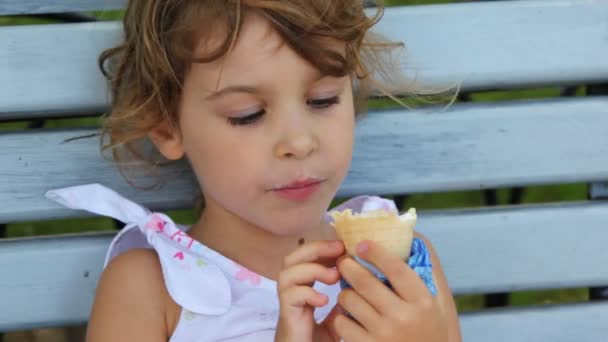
[{"x": 269, "y": 138}]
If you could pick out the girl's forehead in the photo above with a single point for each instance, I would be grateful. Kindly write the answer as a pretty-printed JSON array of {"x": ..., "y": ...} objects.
[
  {"x": 257, "y": 39},
  {"x": 259, "y": 54}
]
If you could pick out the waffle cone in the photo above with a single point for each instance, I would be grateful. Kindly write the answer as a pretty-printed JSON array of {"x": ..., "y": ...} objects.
[{"x": 380, "y": 226}]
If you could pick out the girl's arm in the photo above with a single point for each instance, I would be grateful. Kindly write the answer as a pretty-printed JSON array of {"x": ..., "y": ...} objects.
[{"x": 131, "y": 301}]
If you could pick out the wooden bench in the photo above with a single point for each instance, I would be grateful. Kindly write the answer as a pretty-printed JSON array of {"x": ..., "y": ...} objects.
[{"x": 50, "y": 71}]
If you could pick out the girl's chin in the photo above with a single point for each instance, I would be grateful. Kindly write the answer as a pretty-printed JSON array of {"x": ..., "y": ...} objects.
[{"x": 309, "y": 229}]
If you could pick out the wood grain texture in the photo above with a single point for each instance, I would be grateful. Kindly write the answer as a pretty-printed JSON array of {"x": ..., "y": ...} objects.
[
  {"x": 488, "y": 45},
  {"x": 23, "y": 7},
  {"x": 582, "y": 322},
  {"x": 53, "y": 279},
  {"x": 467, "y": 147}
]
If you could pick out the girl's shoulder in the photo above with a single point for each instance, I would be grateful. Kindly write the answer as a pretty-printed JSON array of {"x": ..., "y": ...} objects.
[
  {"x": 132, "y": 287},
  {"x": 151, "y": 245},
  {"x": 135, "y": 267}
]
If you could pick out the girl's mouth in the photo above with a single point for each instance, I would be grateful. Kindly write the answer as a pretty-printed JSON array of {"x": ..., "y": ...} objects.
[{"x": 299, "y": 190}]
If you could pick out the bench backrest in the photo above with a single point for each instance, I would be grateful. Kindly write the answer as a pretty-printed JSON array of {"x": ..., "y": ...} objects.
[{"x": 51, "y": 71}]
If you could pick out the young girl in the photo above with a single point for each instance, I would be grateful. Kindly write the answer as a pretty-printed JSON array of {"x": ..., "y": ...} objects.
[{"x": 260, "y": 97}]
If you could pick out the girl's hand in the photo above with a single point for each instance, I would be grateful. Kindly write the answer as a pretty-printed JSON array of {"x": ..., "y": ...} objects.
[
  {"x": 309, "y": 263},
  {"x": 409, "y": 313}
]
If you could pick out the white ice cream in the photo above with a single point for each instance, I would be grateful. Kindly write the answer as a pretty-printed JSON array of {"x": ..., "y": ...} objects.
[{"x": 378, "y": 203}]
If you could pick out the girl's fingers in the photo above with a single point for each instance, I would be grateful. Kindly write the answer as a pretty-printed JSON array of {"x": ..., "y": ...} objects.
[
  {"x": 306, "y": 274},
  {"x": 315, "y": 251},
  {"x": 405, "y": 281},
  {"x": 297, "y": 298},
  {"x": 328, "y": 323},
  {"x": 349, "y": 330},
  {"x": 300, "y": 296},
  {"x": 361, "y": 310},
  {"x": 372, "y": 290}
]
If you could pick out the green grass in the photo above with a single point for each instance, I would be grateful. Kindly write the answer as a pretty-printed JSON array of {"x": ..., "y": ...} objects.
[
  {"x": 415, "y": 2},
  {"x": 24, "y": 21},
  {"x": 73, "y": 123},
  {"x": 107, "y": 15},
  {"x": 82, "y": 225},
  {"x": 526, "y": 298},
  {"x": 471, "y": 199}
]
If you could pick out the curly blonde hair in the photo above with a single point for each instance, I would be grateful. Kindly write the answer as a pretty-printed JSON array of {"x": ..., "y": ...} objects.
[{"x": 146, "y": 71}]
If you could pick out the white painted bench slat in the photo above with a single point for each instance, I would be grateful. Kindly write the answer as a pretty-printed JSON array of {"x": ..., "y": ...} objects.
[
  {"x": 53, "y": 279},
  {"x": 521, "y": 248},
  {"x": 576, "y": 322},
  {"x": 506, "y": 45},
  {"x": 468, "y": 147},
  {"x": 21, "y": 7}
]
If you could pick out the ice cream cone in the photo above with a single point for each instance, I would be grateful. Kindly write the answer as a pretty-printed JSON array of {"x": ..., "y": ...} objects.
[{"x": 392, "y": 231}]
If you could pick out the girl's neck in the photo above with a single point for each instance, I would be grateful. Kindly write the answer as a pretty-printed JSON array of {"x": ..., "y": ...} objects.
[{"x": 256, "y": 249}]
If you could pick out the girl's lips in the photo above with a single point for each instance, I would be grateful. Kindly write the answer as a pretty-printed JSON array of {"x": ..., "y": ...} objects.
[{"x": 299, "y": 190}]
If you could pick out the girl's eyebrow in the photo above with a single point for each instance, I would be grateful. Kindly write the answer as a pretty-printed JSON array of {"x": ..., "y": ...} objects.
[
  {"x": 245, "y": 89},
  {"x": 231, "y": 89}
]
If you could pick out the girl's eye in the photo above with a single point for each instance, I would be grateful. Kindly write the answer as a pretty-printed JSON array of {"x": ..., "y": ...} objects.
[
  {"x": 253, "y": 118},
  {"x": 246, "y": 120},
  {"x": 323, "y": 103}
]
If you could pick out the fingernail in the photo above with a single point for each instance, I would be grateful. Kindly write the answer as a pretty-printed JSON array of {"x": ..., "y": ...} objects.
[
  {"x": 336, "y": 244},
  {"x": 362, "y": 247}
]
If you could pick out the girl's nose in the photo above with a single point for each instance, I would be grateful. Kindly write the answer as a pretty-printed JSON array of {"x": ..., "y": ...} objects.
[{"x": 297, "y": 142}]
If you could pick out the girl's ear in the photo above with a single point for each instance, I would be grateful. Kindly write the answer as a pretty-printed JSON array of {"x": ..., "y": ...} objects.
[{"x": 168, "y": 141}]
